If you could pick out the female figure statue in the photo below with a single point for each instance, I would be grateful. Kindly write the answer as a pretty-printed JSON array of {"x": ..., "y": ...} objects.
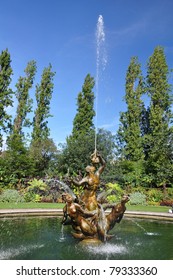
[
  {"x": 83, "y": 227},
  {"x": 91, "y": 182}
]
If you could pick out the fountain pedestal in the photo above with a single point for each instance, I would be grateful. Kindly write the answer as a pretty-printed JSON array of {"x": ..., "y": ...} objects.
[{"x": 90, "y": 241}]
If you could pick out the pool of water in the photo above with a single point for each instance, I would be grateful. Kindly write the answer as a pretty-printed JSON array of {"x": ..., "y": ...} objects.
[{"x": 43, "y": 238}]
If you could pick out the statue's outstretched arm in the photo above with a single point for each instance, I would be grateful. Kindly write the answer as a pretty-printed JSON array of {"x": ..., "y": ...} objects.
[
  {"x": 107, "y": 206},
  {"x": 103, "y": 164},
  {"x": 79, "y": 183},
  {"x": 85, "y": 213}
]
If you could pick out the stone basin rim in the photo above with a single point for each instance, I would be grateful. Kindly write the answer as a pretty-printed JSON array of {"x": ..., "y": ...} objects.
[{"x": 59, "y": 212}]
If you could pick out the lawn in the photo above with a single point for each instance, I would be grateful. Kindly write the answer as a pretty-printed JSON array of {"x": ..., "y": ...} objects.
[
  {"x": 148, "y": 208},
  {"x": 31, "y": 205}
]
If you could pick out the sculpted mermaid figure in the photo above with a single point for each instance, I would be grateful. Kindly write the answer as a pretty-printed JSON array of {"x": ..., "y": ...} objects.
[
  {"x": 78, "y": 218},
  {"x": 91, "y": 181},
  {"x": 115, "y": 216}
]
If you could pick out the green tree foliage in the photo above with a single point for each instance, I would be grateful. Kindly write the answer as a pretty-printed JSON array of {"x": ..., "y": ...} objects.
[
  {"x": 24, "y": 101},
  {"x": 158, "y": 160},
  {"x": 145, "y": 135},
  {"x": 129, "y": 133},
  {"x": 43, "y": 153},
  {"x": 43, "y": 97},
  {"x": 17, "y": 156},
  {"x": 75, "y": 155},
  {"x": 17, "y": 159},
  {"x": 42, "y": 148},
  {"x": 83, "y": 121},
  {"x": 6, "y": 93},
  {"x": 80, "y": 144}
]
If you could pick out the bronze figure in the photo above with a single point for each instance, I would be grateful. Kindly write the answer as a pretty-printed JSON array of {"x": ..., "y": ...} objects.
[
  {"x": 91, "y": 182},
  {"x": 88, "y": 218}
]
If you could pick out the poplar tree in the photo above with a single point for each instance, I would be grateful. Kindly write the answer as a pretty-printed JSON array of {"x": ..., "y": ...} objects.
[
  {"x": 83, "y": 121},
  {"x": 129, "y": 133},
  {"x": 43, "y": 97},
  {"x": 17, "y": 155},
  {"x": 80, "y": 144},
  {"x": 42, "y": 148},
  {"x": 159, "y": 166},
  {"x": 6, "y": 94},
  {"x": 24, "y": 101}
]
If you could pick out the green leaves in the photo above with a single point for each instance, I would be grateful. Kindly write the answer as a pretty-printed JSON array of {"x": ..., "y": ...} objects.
[
  {"x": 83, "y": 121},
  {"x": 145, "y": 134},
  {"x": 129, "y": 134},
  {"x": 43, "y": 98},
  {"x": 6, "y": 93},
  {"x": 24, "y": 101},
  {"x": 159, "y": 90}
]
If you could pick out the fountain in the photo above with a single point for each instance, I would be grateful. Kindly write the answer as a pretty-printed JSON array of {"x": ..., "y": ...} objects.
[
  {"x": 87, "y": 217},
  {"x": 101, "y": 61}
]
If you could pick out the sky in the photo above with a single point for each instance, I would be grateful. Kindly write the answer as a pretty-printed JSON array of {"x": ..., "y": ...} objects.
[{"x": 63, "y": 33}]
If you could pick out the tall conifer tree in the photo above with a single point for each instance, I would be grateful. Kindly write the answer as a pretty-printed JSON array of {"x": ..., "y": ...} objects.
[
  {"x": 24, "y": 101},
  {"x": 6, "y": 93},
  {"x": 42, "y": 148},
  {"x": 43, "y": 97},
  {"x": 80, "y": 144},
  {"x": 83, "y": 121},
  {"x": 159, "y": 90},
  {"x": 18, "y": 160},
  {"x": 129, "y": 133}
]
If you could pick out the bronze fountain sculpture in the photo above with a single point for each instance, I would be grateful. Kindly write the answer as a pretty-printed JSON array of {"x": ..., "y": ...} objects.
[{"x": 87, "y": 217}]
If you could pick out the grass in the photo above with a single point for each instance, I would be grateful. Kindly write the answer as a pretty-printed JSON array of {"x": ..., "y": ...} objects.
[
  {"x": 31, "y": 205},
  {"x": 148, "y": 208}
]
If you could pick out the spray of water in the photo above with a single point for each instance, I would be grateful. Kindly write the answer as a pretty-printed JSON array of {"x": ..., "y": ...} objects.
[
  {"x": 62, "y": 237},
  {"x": 101, "y": 61},
  {"x": 144, "y": 230},
  {"x": 108, "y": 249}
]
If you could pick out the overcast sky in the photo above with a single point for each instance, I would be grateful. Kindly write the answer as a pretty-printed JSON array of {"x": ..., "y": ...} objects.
[{"x": 63, "y": 33}]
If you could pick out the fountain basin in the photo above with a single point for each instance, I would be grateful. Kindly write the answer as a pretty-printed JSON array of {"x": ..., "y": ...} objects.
[{"x": 40, "y": 238}]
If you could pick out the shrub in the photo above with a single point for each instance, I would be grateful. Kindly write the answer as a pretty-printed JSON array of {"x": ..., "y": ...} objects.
[
  {"x": 154, "y": 195},
  {"x": 47, "y": 199},
  {"x": 35, "y": 190},
  {"x": 111, "y": 192},
  {"x": 29, "y": 197},
  {"x": 137, "y": 198},
  {"x": 11, "y": 196},
  {"x": 166, "y": 202},
  {"x": 32, "y": 197},
  {"x": 170, "y": 192},
  {"x": 37, "y": 186},
  {"x": 111, "y": 198}
]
